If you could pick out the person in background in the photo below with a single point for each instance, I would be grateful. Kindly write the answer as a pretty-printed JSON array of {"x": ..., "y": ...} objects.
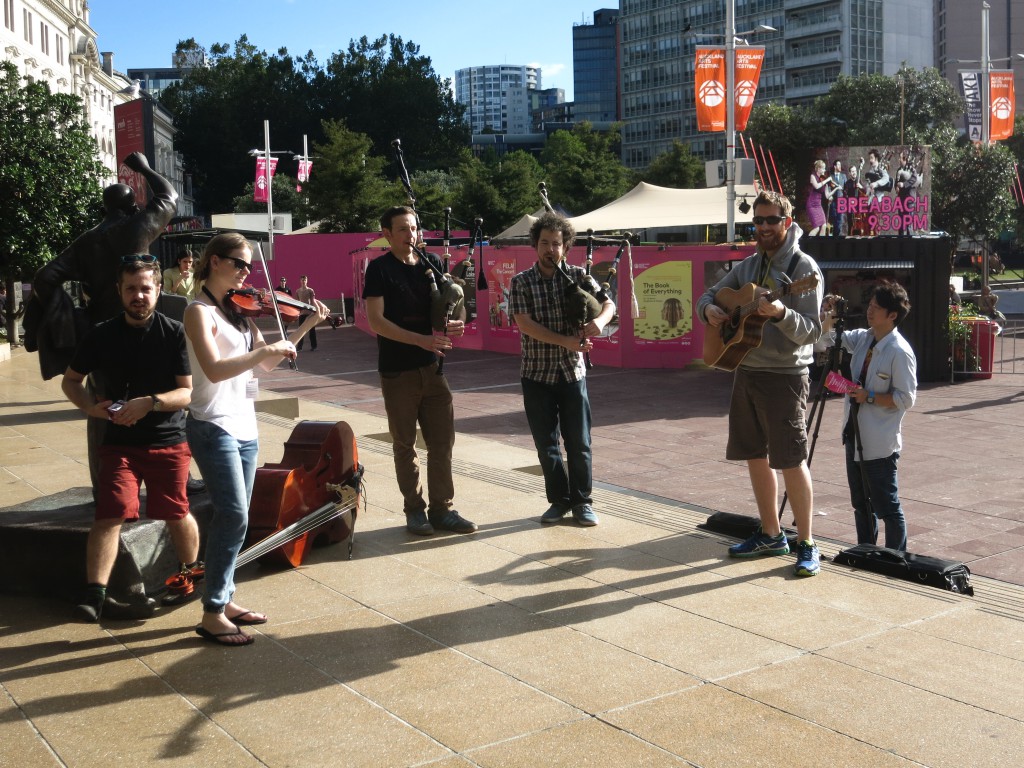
[
  {"x": 306, "y": 295},
  {"x": 553, "y": 373},
  {"x": 224, "y": 349},
  {"x": 181, "y": 280},
  {"x": 768, "y": 411},
  {"x": 282, "y": 286}
]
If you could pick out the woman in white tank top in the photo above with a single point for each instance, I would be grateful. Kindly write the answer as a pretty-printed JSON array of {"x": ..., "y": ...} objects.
[{"x": 224, "y": 348}]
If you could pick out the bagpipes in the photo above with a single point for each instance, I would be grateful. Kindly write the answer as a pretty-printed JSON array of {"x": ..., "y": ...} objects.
[
  {"x": 584, "y": 297},
  {"x": 447, "y": 298},
  {"x": 465, "y": 271}
]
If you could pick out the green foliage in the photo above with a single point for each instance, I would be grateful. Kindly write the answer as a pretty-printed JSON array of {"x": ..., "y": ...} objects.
[
  {"x": 384, "y": 89},
  {"x": 347, "y": 190},
  {"x": 583, "y": 169},
  {"x": 285, "y": 198},
  {"x": 499, "y": 190},
  {"x": 50, "y": 179},
  {"x": 677, "y": 168}
]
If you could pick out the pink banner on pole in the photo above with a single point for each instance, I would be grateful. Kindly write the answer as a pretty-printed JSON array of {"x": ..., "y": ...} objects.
[{"x": 260, "y": 190}]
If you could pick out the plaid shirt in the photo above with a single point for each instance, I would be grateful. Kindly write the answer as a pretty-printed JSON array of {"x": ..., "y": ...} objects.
[{"x": 544, "y": 301}]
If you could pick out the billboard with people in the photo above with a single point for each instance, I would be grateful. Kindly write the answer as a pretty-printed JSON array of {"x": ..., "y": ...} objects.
[{"x": 864, "y": 191}]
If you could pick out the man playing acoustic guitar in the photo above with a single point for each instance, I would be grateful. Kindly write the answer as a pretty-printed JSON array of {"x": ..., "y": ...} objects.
[{"x": 769, "y": 396}]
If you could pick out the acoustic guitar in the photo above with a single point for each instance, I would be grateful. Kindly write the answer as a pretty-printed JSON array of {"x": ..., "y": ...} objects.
[{"x": 727, "y": 345}]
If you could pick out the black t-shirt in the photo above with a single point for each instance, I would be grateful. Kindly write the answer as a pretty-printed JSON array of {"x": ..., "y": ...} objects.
[
  {"x": 137, "y": 362},
  {"x": 406, "y": 292}
]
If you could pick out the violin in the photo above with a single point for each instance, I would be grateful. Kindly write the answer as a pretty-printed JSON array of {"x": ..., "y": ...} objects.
[
  {"x": 252, "y": 302},
  {"x": 311, "y": 494}
]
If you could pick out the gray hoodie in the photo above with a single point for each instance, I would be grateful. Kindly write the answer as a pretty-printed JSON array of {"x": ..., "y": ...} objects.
[{"x": 788, "y": 344}]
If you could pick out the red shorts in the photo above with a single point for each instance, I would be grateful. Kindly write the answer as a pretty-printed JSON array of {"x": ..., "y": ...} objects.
[{"x": 123, "y": 469}]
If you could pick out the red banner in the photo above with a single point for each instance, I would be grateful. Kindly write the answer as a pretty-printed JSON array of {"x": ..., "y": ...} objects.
[
  {"x": 260, "y": 191},
  {"x": 710, "y": 89},
  {"x": 710, "y": 86},
  {"x": 1001, "y": 105},
  {"x": 748, "y": 72},
  {"x": 305, "y": 166}
]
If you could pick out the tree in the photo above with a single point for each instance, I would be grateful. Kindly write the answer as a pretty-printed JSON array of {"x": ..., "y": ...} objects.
[
  {"x": 677, "y": 168},
  {"x": 970, "y": 187},
  {"x": 285, "y": 198},
  {"x": 500, "y": 190},
  {"x": 348, "y": 191},
  {"x": 50, "y": 179},
  {"x": 583, "y": 168},
  {"x": 219, "y": 112},
  {"x": 386, "y": 89}
]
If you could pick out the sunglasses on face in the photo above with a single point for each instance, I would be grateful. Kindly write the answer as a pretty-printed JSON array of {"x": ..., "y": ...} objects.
[
  {"x": 239, "y": 263},
  {"x": 145, "y": 258},
  {"x": 773, "y": 220}
]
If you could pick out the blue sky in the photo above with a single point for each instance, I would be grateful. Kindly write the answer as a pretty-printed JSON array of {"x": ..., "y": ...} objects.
[{"x": 453, "y": 34}]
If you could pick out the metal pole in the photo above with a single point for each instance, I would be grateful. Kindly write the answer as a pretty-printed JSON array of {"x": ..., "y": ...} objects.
[
  {"x": 986, "y": 117},
  {"x": 730, "y": 120},
  {"x": 270, "y": 193}
]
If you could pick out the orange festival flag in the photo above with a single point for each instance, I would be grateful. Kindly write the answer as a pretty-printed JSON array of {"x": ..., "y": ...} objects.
[
  {"x": 748, "y": 72},
  {"x": 1001, "y": 105},
  {"x": 710, "y": 89}
]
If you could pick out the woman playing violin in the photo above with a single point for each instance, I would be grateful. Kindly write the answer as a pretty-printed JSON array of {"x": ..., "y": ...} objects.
[{"x": 224, "y": 348}]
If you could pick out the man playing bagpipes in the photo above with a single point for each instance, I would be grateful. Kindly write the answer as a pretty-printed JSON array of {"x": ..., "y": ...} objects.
[{"x": 557, "y": 317}]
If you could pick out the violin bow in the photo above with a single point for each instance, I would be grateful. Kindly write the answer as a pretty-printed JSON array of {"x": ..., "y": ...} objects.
[{"x": 273, "y": 299}]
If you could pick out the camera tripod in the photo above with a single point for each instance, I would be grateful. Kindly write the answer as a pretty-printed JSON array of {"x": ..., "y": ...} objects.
[{"x": 833, "y": 360}]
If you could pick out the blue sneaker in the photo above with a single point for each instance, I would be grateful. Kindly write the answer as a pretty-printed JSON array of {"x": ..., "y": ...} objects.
[
  {"x": 808, "y": 562},
  {"x": 584, "y": 515},
  {"x": 554, "y": 513},
  {"x": 761, "y": 545}
]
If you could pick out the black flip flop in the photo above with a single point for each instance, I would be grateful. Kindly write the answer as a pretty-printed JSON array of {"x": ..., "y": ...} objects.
[
  {"x": 214, "y": 637},
  {"x": 241, "y": 621}
]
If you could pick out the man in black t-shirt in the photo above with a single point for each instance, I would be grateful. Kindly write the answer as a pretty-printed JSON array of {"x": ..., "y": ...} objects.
[
  {"x": 143, "y": 366},
  {"x": 397, "y": 289}
]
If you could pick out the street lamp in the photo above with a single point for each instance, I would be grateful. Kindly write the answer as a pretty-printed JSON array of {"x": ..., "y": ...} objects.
[
  {"x": 730, "y": 113},
  {"x": 266, "y": 152}
]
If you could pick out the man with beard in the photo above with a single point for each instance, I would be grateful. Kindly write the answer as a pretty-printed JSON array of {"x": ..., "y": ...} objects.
[
  {"x": 552, "y": 371},
  {"x": 143, "y": 365},
  {"x": 767, "y": 415}
]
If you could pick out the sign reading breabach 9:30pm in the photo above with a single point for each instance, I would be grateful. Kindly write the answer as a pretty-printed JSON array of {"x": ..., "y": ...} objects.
[{"x": 866, "y": 190}]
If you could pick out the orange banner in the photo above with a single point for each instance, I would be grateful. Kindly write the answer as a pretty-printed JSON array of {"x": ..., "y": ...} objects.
[
  {"x": 1001, "y": 105},
  {"x": 710, "y": 89},
  {"x": 748, "y": 72},
  {"x": 710, "y": 86}
]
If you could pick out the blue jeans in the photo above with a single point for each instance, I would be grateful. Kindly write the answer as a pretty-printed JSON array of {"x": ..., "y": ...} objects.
[
  {"x": 228, "y": 466},
  {"x": 561, "y": 408},
  {"x": 880, "y": 502}
]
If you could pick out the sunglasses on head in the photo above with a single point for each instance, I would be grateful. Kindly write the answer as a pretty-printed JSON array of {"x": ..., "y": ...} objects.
[
  {"x": 239, "y": 263},
  {"x": 145, "y": 258},
  {"x": 773, "y": 220}
]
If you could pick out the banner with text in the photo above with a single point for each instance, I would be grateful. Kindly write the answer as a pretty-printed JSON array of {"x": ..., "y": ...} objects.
[
  {"x": 1001, "y": 105},
  {"x": 970, "y": 89},
  {"x": 710, "y": 84},
  {"x": 260, "y": 190},
  {"x": 305, "y": 166}
]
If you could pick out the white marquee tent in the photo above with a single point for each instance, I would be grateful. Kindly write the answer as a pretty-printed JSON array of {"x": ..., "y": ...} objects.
[{"x": 646, "y": 207}]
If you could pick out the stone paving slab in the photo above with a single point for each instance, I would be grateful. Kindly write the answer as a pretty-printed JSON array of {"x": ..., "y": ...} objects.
[{"x": 633, "y": 643}]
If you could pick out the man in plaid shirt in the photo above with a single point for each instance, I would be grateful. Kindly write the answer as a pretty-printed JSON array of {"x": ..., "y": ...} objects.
[{"x": 553, "y": 371}]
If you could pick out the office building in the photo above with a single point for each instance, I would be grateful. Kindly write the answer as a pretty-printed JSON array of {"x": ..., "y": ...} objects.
[
  {"x": 595, "y": 69},
  {"x": 816, "y": 41},
  {"x": 495, "y": 96}
]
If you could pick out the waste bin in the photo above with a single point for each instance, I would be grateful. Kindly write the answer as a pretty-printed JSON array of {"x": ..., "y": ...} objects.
[{"x": 983, "y": 341}]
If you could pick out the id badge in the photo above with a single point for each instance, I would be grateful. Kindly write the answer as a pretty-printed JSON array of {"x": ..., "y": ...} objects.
[{"x": 252, "y": 388}]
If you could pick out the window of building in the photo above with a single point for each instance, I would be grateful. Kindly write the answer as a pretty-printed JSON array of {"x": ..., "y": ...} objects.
[
  {"x": 9, "y": 14},
  {"x": 26, "y": 17}
]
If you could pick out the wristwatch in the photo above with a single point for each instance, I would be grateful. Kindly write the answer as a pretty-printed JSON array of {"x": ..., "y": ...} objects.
[
  {"x": 157, "y": 405},
  {"x": 871, "y": 397}
]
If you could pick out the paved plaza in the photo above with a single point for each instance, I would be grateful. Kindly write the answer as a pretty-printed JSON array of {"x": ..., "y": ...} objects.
[{"x": 635, "y": 643}]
